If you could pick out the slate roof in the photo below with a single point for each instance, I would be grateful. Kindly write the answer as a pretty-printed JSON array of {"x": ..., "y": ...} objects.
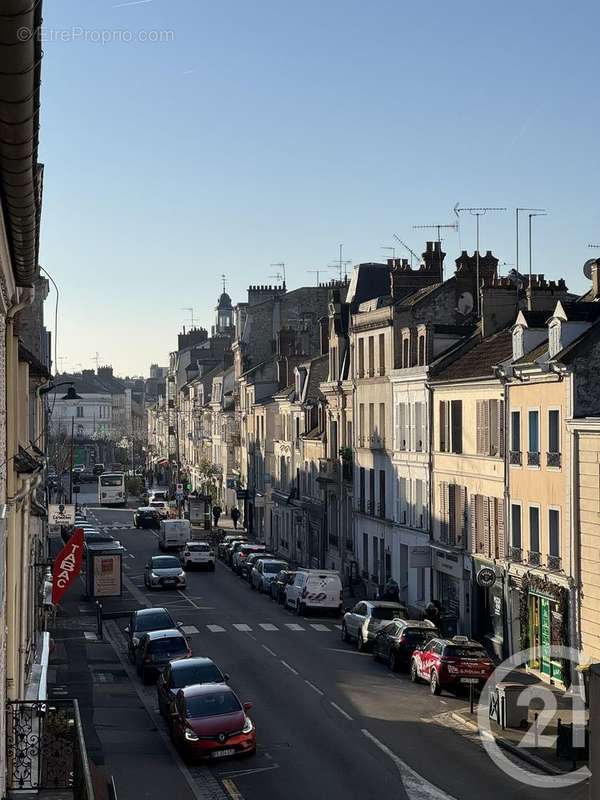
[
  {"x": 319, "y": 370},
  {"x": 581, "y": 312},
  {"x": 532, "y": 356},
  {"x": 535, "y": 319},
  {"x": 83, "y": 384},
  {"x": 480, "y": 360},
  {"x": 411, "y": 300}
]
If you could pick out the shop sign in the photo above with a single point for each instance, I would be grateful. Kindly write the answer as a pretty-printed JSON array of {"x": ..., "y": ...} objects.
[
  {"x": 420, "y": 556},
  {"x": 450, "y": 563},
  {"x": 107, "y": 575},
  {"x": 486, "y": 577}
]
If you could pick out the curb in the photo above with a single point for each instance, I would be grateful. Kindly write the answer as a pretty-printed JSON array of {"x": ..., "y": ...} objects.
[{"x": 519, "y": 752}]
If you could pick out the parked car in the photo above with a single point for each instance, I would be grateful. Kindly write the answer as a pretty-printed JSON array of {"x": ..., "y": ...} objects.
[
  {"x": 264, "y": 571},
  {"x": 198, "y": 554},
  {"x": 244, "y": 550},
  {"x": 93, "y": 536},
  {"x": 315, "y": 590},
  {"x": 156, "y": 649},
  {"x": 450, "y": 663},
  {"x": 98, "y": 469},
  {"x": 249, "y": 562},
  {"x": 233, "y": 547},
  {"x": 143, "y": 621},
  {"x": 174, "y": 533},
  {"x": 278, "y": 584},
  {"x": 161, "y": 506},
  {"x": 361, "y": 624},
  {"x": 209, "y": 721},
  {"x": 164, "y": 572},
  {"x": 395, "y": 642},
  {"x": 146, "y": 517},
  {"x": 185, "y": 672},
  {"x": 226, "y": 541}
]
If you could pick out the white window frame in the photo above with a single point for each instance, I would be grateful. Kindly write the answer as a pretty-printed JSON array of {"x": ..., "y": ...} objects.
[
  {"x": 560, "y": 440},
  {"x": 517, "y": 410}
]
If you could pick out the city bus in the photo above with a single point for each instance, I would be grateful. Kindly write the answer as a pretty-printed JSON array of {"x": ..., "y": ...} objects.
[{"x": 111, "y": 489}]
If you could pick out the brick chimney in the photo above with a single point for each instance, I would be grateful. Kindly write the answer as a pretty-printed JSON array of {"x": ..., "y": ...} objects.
[
  {"x": 433, "y": 258},
  {"x": 596, "y": 279},
  {"x": 499, "y": 305},
  {"x": 543, "y": 295}
]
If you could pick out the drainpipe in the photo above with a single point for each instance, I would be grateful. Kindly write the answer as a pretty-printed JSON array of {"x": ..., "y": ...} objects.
[
  {"x": 26, "y": 297},
  {"x": 509, "y": 644},
  {"x": 430, "y": 494},
  {"x": 574, "y": 538}
]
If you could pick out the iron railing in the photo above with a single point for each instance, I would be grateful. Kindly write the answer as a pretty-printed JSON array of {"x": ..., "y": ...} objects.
[
  {"x": 554, "y": 563},
  {"x": 516, "y": 554},
  {"x": 534, "y": 558},
  {"x": 553, "y": 459},
  {"x": 533, "y": 459},
  {"x": 45, "y": 748},
  {"x": 515, "y": 457}
]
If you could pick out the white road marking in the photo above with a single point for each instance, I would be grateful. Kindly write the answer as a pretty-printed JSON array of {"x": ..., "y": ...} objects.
[
  {"x": 189, "y": 629},
  {"x": 131, "y": 555},
  {"x": 232, "y": 789},
  {"x": 268, "y": 626},
  {"x": 341, "y": 711},
  {"x": 189, "y": 599},
  {"x": 416, "y": 786},
  {"x": 313, "y": 687},
  {"x": 339, "y": 627},
  {"x": 318, "y": 627},
  {"x": 287, "y": 666},
  {"x": 293, "y": 626},
  {"x": 251, "y": 771},
  {"x": 215, "y": 629},
  {"x": 269, "y": 651},
  {"x": 241, "y": 626},
  {"x": 348, "y": 652}
]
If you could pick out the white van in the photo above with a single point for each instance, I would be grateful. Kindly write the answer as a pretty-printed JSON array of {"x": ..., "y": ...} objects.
[
  {"x": 174, "y": 533},
  {"x": 315, "y": 590}
]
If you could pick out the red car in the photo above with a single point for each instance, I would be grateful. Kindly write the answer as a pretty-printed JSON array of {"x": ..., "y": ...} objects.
[
  {"x": 450, "y": 663},
  {"x": 208, "y": 721}
]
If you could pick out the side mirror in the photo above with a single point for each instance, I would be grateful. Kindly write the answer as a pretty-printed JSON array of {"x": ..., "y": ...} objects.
[
  {"x": 127, "y": 629},
  {"x": 247, "y": 706},
  {"x": 226, "y": 676}
]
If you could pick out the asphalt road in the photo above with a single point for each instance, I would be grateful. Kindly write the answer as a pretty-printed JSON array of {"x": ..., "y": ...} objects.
[{"x": 331, "y": 722}]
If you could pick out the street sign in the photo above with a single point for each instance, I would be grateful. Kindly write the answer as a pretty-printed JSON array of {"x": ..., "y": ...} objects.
[
  {"x": 76, "y": 489},
  {"x": 61, "y": 514},
  {"x": 242, "y": 494},
  {"x": 67, "y": 566}
]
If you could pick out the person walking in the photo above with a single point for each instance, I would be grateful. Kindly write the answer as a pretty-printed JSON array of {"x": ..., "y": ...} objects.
[
  {"x": 235, "y": 516},
  {"x": 217, "y": 511}
]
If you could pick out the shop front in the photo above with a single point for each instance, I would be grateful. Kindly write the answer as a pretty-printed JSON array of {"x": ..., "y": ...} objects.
[
  {"x": 489, "y": 612},
  {"x": 451, "y": 589}
]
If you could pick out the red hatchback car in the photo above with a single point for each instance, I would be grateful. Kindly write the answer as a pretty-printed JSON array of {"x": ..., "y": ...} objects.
[
  {"x": 208, "y": 721},
  {"x": 451, "y": 663}
]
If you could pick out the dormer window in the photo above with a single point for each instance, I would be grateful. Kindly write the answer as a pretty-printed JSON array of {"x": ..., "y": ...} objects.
[
  {"x": 554, "y": 338},
  {"x": 517, "y": 343}
]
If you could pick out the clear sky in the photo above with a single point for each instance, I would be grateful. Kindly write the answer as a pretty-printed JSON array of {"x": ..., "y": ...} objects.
[{"x": 267, "y": 131}]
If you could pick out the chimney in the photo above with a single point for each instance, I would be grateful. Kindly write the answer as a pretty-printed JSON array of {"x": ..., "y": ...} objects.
[
  {"x": 596, "y": 279},
  {"x": 543, "y": 295},
  {"x": 499, "y": 305},
  {"x": 433, "y": 258}
]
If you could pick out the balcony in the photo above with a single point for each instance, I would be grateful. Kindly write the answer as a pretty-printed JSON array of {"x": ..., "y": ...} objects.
[
  {"x": 45, "y": 750},
  {"x": 533, "y": 459},
  {"x": 376, "y": 442},
  {"x": 554, "y": 563},
  {"x": 534, "y": 558},
  {"x": 347, "y": 471},
  {"x": 328, "y": 470},
  {"x": 515, "y": 458},
  {"x": 516, "y": 554},
  {"x": 381, "y": 510},
  {"x": 371, "y": 507},
  {"x": 553, "y": 459}
]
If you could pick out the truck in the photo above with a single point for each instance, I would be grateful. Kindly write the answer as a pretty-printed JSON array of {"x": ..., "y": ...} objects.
[{"x": 174, "y": 533}]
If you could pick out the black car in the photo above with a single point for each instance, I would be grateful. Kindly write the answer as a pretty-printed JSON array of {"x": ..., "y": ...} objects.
[
  {"x": 396, "y": 642},
  {"x": 146, "y": 517},
  {"x": 279, "y": 583},
  {"x": 248, "y": 563},
  {"x": 156, "y": 649},
  {"x": 144, "y": 620},
  {"x": 185, "y": 672}
]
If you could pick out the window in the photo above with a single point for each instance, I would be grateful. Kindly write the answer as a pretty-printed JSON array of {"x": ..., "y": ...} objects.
[
  {"x": 533, "y": 454},
  {"x": 515, "y": 436},
  {"x": 401, "y": 422},
  {"x": 419, "y": 506},
  {"x": 421, "y": 583},
  {"x": 406, "y": 352},
  {"x": 534, "y": 533},
  {"x": 382, "y": 354},
  {"x": 371, "y": 356},
  {"x": 79, "y": 411},
  {"x": 453, "y": 513},
  {"x": 375, "y": 567},
  {"x": 553, "y": 457},
  {"x": 382, "y": 422},
  {"x": 490, "y": 427},
  {"x": 371, "y": 491},
  {"x": 333, "y": 367},
  {"x": 361, "y": 358},
  {"x": 362, "y": 500},
  {"x": 371, "y": 419},
  {"x": 419, "y": 417},
  {"x": 365, "y": 553},
  {"x": 401, "y": 501},
  {"x": 361, "y": 423},
  {"x": 382, "y": 493},
  {"x": 554, "y": 339},
  {"x": 515, "y": 525},
  {"x": 421, "y": 349},
  {"x": 553, "y": 534},
  {"x": 451, "y": 426}
]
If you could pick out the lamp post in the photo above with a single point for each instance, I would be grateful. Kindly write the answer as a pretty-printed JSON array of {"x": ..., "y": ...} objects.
[{"x": 71, "y": 397}]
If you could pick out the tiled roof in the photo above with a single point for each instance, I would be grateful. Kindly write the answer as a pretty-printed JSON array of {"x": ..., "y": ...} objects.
[{"x": 480, "y": 360}]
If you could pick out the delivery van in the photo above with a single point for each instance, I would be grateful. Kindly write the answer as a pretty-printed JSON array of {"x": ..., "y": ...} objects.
[{"x": 173, "y": 534}]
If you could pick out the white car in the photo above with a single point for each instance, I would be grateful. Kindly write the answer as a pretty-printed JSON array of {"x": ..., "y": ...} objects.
[
  {"x": 198, "y": 554},
  {"x": 164, "y": 572},
  {"x": 161, "y": 506},
  {"x": 264, "y": 571},
  {"x": 315, "y": 590}
]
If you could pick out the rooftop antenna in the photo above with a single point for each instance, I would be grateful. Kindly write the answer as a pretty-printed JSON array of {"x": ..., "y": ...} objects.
[
  {"x": 393, "y": 249},
  {"x": 406, "y": 247},
  {"x": 455, "y": 209},
  {"x": 477, "y": 212},
  {"x": 452, "y": 226},
  {"x": 594, "y": 246},
  {"x": 517, "y": 211},
  {"x": 223, "y": 278},
  {"x": 531, "y": 215},
  {"x": 60, "y": 361},
  {"x": 96, "y": 359},
  {"x": 341, "y": 264},
  {"x": 279, "y": 275},
  {"x": 316, "y": 272},
  {"x": 191, "y": 310}
]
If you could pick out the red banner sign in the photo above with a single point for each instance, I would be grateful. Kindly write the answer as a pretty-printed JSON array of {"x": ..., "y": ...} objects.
[{"x": 67, "y": 565}]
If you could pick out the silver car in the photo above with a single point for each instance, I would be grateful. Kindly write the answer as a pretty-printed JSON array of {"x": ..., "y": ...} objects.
[
  {"x": 362, "y": 623},
  {"x": 264, "y": 571},
  {"x": 164, "y": 572}
]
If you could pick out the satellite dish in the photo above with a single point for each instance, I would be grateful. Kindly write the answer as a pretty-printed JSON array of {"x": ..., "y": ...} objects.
[
  {"x": 465, "y": 303},
  {"x": 587, "y": 267}
]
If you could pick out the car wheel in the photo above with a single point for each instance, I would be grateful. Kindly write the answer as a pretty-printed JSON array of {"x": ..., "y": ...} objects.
[
  {"x": 345, "y": 637},
  {"x": 414, "y": 672},
  {"x": 434, "y": 683},
  {"x": 360, "y": 643}
]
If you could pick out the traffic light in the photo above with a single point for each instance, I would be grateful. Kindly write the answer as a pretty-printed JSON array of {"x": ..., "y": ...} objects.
[{"x": 76, "y": 479}]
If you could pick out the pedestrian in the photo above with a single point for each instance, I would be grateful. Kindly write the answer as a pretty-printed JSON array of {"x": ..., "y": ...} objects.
[
  {"x": 217, "y": 511},
  {"x": 235, "y": 515}
]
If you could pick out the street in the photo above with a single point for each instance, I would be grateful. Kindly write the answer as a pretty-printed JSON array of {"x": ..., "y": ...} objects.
[{"x": 331, "y": 722}]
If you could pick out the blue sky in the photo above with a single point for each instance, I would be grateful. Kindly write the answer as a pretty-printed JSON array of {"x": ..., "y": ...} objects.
[{"x": 272, "y": 131}]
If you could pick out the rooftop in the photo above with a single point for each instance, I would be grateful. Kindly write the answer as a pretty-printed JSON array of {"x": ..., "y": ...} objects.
[{"x": 480, "y": 360}]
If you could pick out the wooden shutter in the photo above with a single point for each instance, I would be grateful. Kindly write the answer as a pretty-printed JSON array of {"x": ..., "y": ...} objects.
[
  {"x": 444, "y": 511},
  {"x": 462, "y": 519},
  {"x": 480, "y": 426},
  {"x": 486, "y": 526},
  {"x": 402, "y": 426},
  {"x": 456, "y": 432},
  {"x": 397, "y": 426},
  {"x": 443, "y": 414},
  {"x": 473, "y": 525},
  {"x": 501, "y": 431},
  {"x": 500, "y": 530}
]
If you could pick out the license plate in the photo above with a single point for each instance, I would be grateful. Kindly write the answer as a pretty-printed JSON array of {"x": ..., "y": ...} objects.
[
  {"x": 169, "y": 583},
  {"x": 222, "y": 753},
  {"x": 469, "y": 680}
]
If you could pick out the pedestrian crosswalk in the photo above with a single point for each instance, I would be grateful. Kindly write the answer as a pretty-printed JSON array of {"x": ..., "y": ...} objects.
[{"x": 270, "y": 627}]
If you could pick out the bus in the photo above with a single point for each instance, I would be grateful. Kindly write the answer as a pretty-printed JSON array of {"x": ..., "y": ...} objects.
[{"x": 111, "y": 489}]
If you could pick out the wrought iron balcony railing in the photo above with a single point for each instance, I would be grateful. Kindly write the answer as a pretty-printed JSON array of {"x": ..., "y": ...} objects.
[
  {"x": 515, "y": 457},
  {"x": 534, "y": 558},
  {"x": 553, "y": 459},
  {"x": 516, "y": 553},
  {"x": 554, "y": 563},
  {"x": 533, "y": 459}
]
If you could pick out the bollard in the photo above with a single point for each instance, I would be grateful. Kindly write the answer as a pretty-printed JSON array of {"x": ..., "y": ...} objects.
[
  {"x": 535, "y": 731},
  {"x": 471, "y": 693},
  {"x": 99, "y": 618},
  {"x": 558, "y": 724},
  {"x": 502, "y": 712}
]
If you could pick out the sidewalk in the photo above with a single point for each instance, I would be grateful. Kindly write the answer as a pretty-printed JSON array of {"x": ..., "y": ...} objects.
[{"x": 512, "y": 739}]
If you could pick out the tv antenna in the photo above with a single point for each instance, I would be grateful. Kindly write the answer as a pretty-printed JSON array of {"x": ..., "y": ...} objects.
[
  {"x": 406, "y": 247},
  {"x": 96, "y": 359},
  {"x": 279, "y": 275},
  {"x": 191, "y": 310},
  {"x": 316, "y": 272},
  {"x": 393, "y": 249},
  {"x": 477, "y": 211},
  {"x": 531, "y": 215},
  {"x": 594, "y": 246},
  {"x": 517, "y": 211},
  {"x": 439, "y": 227},
  {"x": 341, "y": 264},
  {"x": 61, "y": 359}
]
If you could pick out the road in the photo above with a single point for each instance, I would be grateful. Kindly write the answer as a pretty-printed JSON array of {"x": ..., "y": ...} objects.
[{"x": 331, "y": 722}]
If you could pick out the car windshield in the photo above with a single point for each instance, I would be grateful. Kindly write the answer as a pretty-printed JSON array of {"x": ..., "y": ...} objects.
[
  {"x": 158, "y": 504},
  {"x": 189, "y": 674},
  {"x": 271, "y": 567},
  {"x": 111, "y": 480},
  {"x": 464, "y": 651},
  {"x": 153, "y": 622},
  {"x": 165, "y": 562},
  {"x": 418, "y": 635},
  {"x": 199, "y": 548},
  {"x": 171, "y": 646},
  {"x": 387, "y": 613},
  {"x": 212, "y": 705}
]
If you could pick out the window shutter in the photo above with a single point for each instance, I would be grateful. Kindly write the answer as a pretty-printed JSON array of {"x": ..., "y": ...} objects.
[
  {"x": 410, "y": 440},
  {"x": 444, "y": 510},
  {"x": 473, "y": 525},
  {"x": 456, "y": 416},
  {"x": 480, "y": 444},
  {"x": 418, "y": 427},
  {"x": 487, "y": 439},
  {"x": 443, "y": 413},
  {"x": 462, "y": 525},
  {"x": 486, "y": 526},
  {"x": 397, "y": 426},
  {"x": 500, "y": 534},
  {"x": 501, "y": 432},
  {"x": 402, "y": 426}
]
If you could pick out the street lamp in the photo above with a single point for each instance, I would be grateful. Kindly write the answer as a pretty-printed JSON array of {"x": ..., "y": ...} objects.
[{"x": 71, "y": 397}]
